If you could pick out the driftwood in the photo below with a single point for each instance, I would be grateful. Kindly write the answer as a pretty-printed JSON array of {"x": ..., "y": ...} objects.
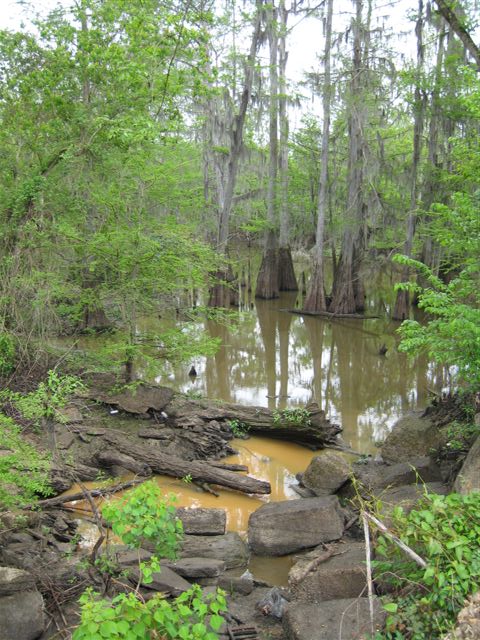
[
  {"x": 199, "y": 471},
  {"x": 94, "y": 493},
  {"x": 228, "y": 467},
  {"x": 405, "y": 548}
]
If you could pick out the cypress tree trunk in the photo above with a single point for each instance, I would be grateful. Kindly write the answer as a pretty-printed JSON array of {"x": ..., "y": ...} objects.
[
  {"x": 286, "y": 273},
  {"x": 226, "y": 179},
  {"x": 347, "y": 286},
  {"x": 315, "y": 300}
]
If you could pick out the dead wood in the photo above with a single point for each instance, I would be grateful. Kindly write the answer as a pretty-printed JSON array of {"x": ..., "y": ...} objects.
[{"x": 170, "y": 465}]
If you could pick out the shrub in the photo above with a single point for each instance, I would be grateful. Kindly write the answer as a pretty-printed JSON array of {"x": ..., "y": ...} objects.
[
  {"x": 445, "y": 531},
  {"x": 141, "y": 515},
  {"x": 23, "y": 470}
]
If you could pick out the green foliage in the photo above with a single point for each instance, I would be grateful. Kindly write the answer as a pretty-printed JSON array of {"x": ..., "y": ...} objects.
[
  {"x": 143, "y": 515},
  {"x": 238, "y": 428},
  {"x": 7, "y": 353},
  {"x": 296, "y": 416},
  {"x": 452, "y": 333},
  {"x": 444, "y": 530},
  {"x": 23, "y": 469},
  {"x": 460, "y": 435},
  {"x": 191, "y": 616},
  {"x": 50, "y": 396}
]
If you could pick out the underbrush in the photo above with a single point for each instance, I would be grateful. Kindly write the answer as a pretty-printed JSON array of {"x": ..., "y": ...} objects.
[{"x": 445, "y": 532}]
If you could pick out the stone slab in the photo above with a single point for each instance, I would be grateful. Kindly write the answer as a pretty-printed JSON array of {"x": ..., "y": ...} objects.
[{"x": 279, "y": 528}]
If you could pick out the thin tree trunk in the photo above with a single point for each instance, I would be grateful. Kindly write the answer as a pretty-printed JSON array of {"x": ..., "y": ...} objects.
[
  {"x": 315, "y": 300},
  {"x": 452, "y": 18},
  {"x": 267, "y": 281},
  {"x": 402, "y": 304},
  {"x": 220, "y": 293}
]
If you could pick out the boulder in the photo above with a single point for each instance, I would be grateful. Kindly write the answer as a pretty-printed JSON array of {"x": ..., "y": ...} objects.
[
  {"x": 412, "y": 436},
  {"x": 166, "y": 581},
  {"x": 243, "y": 584},
  {"x": 469, "y": 477},
  {"x": 340, "y": 576},
  {"x": 346, "y": 618},
  {"x": 326, "y": 473},
  {"x": 205, "y": 522},
  {"x": 377, "y": 476},
  {"x": 21, "y": 615},
  {"x": 408, "y": 495},
  {"x": 13, "y": 580},
  {"x": 230, "y": 548},
  {"x": 143, "y": 398},
  {"x": 196, "y": 567},
  {"x": 279, "y": 528},
  {"x": 125, "y": 557}
]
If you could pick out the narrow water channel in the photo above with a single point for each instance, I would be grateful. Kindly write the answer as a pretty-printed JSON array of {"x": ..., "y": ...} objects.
[{"x": 275, "y": 461}]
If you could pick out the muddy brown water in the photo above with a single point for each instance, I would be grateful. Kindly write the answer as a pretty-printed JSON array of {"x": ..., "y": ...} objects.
[{"x": 274, "y": 461}]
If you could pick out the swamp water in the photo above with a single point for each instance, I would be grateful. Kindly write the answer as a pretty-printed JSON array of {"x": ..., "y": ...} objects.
[{"x": 283, "y": 360}]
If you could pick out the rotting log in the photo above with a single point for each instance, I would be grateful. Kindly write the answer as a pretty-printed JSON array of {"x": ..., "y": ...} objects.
[
  {"x": 169, "y": 465},
  {"x": 180, "y": 412},
  {"x": 311, "y": 429},
  {"x": 110, "y": 457}
]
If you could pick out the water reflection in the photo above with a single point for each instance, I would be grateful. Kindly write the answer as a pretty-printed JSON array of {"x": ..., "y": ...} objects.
[{"x": 278, "y": 359}]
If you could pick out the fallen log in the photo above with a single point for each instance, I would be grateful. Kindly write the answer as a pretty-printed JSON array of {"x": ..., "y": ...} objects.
[
  {"x": 109, "y": 458},
  {"x": 180, "y": 412},
  {"x": 228, "y": 467},
  {"x": 170, "y": 465},
  {"x": 306, "y": 426},
  {"x": 80, "y": 495}
]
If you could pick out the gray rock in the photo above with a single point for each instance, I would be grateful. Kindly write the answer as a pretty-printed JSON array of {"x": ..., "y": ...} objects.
[
  {"x": 196, "y": 567},
  {"x": 70, "y": 414},
  {"x": 204, "y": 522},
  {"x": 408, "y": 495},
  {"x": 326, "y": 473},
  {"x": 230, "y": 548},
  {"x": 243, "y": 585},
  {"x": 346, "y": 618},
  {"x": 340, "y": 576},
  {"x": 13, "y": 580},
  {"x": 63, "y": 438},
  {"x": 166, "y": 581},
  {"x": 412, "y": 436},
  {"x": 273, "y": 603},
  {"x": 279, "y": 528},
  {"x": 468, "y": 479},
  {"x": 125, "y": 557},
  {"x": 21, "y": 616},
  {"x": 376, "y": 476}
]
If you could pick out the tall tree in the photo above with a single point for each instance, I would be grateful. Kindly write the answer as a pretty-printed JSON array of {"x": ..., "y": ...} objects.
[
  {"x": 227, "y": 164},
  {"x": 267, "y": 280},
  {"x": 402, "y": 304},
  {"x": 315, "y": 300},
  {"x": 286, "y": 273},
  {"x": 347, "y": 293}
]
